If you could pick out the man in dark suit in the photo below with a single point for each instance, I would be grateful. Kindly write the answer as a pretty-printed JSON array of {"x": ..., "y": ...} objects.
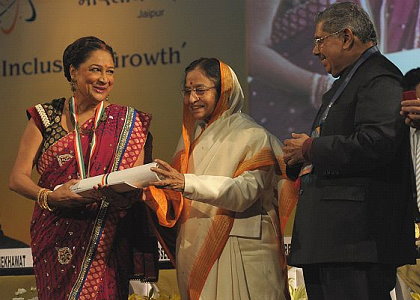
[{"x": 354, "y": 222}]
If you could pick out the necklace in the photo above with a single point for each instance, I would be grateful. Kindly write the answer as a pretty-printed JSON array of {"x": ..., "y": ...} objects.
[{"x": 99, "y": 110}]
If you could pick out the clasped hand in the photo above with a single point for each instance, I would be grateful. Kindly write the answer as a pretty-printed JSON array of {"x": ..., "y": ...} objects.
[
  {"x": 410, "y": 109},
  {"x": 292, "y": 149}
]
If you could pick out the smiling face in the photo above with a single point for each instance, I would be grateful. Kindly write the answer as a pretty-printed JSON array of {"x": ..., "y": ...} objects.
[
  {"x": 94, "y": 77},
  {"x": 200, "y": 104},
  {"x": 330, "y": 50}
]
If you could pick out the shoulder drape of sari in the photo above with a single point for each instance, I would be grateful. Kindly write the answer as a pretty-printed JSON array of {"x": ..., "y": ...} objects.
[{"x": 89, "y": 252}]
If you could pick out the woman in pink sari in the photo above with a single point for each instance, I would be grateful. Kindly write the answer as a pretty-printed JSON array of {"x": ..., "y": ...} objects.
[{"x": 84, "y": 248}]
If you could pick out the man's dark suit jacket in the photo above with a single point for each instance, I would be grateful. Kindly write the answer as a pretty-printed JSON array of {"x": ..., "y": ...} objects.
[{"x": 357, "y": 205}]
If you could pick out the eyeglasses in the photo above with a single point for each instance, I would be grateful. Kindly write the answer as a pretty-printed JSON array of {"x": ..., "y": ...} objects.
[
  {"x": 319, "y": 41},
  {"x": 199, "y": 91}
]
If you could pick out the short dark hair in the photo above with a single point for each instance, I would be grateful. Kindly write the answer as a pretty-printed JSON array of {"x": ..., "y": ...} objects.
[
  {"x": 211, "y": 67},
  {"x": 343, "y": 15},
  {"x": 79, "y": 51},
  {"x": 411, "y": 79}
]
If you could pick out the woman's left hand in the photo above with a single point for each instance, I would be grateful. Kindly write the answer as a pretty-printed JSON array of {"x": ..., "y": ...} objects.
[{"x": 172, "y": 179}]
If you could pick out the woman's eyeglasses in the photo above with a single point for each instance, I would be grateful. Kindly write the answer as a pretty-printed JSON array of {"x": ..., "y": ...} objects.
[{"x": 199, "y": 91}]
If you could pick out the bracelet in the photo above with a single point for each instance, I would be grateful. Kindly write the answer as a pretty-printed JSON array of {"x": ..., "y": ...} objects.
[{"x": 42, "y": 199}]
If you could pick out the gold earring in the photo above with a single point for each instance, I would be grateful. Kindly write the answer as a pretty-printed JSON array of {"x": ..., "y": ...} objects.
[{"x": 73, "y": 86}]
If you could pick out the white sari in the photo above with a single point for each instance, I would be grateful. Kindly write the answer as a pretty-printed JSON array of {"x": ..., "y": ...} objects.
[{"x": 229, "y": 244}]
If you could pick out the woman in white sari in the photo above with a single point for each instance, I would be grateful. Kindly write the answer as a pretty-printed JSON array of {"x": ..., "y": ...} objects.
[{"x": 220, "y": 192}]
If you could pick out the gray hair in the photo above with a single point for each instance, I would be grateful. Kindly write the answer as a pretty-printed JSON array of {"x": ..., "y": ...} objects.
[{"x": 343, "y": 15}]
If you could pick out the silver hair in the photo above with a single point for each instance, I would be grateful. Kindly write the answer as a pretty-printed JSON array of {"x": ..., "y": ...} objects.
[{"x": 343, "y": 15}]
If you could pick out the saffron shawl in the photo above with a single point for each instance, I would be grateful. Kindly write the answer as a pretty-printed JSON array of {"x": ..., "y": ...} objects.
[
  {"x": 230, "y": 145},
  {"x": 89, "y": 252}
]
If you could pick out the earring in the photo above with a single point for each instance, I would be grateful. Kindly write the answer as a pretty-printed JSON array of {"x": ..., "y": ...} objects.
[
  {"x": 107, "y": 98},
  {"x": 73, "y": 86}
]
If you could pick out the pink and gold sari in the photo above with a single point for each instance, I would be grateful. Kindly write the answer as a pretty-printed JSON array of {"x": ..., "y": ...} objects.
[{"x": 90, "y": 252}]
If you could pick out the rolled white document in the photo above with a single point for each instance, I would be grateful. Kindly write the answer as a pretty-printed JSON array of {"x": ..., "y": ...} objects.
[{"x": 120, "y": 181}]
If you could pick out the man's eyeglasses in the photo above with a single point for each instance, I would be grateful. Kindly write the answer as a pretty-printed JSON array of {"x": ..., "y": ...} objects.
[
  {"x": 199, "y": 91},
  {"x": 319, "y": 41}
]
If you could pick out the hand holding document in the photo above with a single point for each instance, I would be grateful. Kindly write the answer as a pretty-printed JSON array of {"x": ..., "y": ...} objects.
[{"x": 120, "y": 181}]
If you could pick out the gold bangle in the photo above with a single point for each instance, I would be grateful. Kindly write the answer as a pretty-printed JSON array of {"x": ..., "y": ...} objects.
[
  {"x": 42, "y": 199},
  {"x": 47, "y": 206},
  {"x": 40, "y": 196}
]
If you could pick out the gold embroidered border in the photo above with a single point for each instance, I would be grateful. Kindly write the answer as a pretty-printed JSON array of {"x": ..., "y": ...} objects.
[
  {"x": 129, "y": 119},
  {"x": 90, "y": 251}
]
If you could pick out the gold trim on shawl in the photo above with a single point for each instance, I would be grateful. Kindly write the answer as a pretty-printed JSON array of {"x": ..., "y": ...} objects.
[
  {"x": 262, "y": 159},
  {"x": 288, "y": 196},
  {"x": 225, "y": 91},
  {"x": 158, "y": 200}
]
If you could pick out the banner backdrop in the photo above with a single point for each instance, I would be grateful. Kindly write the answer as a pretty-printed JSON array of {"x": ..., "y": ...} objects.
[
  {"x": 154, "y": 40},
  {"x": 287, "y": 81}
]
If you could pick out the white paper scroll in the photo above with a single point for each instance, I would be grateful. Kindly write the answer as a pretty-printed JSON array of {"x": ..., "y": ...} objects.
[{"x": 120, "y": 181}]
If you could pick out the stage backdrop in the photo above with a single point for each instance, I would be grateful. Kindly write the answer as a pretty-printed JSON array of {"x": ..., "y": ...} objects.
[
  {"x": 154, "y": 41},
  {"x": 287, "y": 81}
]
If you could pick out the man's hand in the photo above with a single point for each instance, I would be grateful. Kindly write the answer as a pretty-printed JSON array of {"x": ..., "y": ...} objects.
[
  {"x": 410, "y": 109},
  {"x": 293, "y": 149}
]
